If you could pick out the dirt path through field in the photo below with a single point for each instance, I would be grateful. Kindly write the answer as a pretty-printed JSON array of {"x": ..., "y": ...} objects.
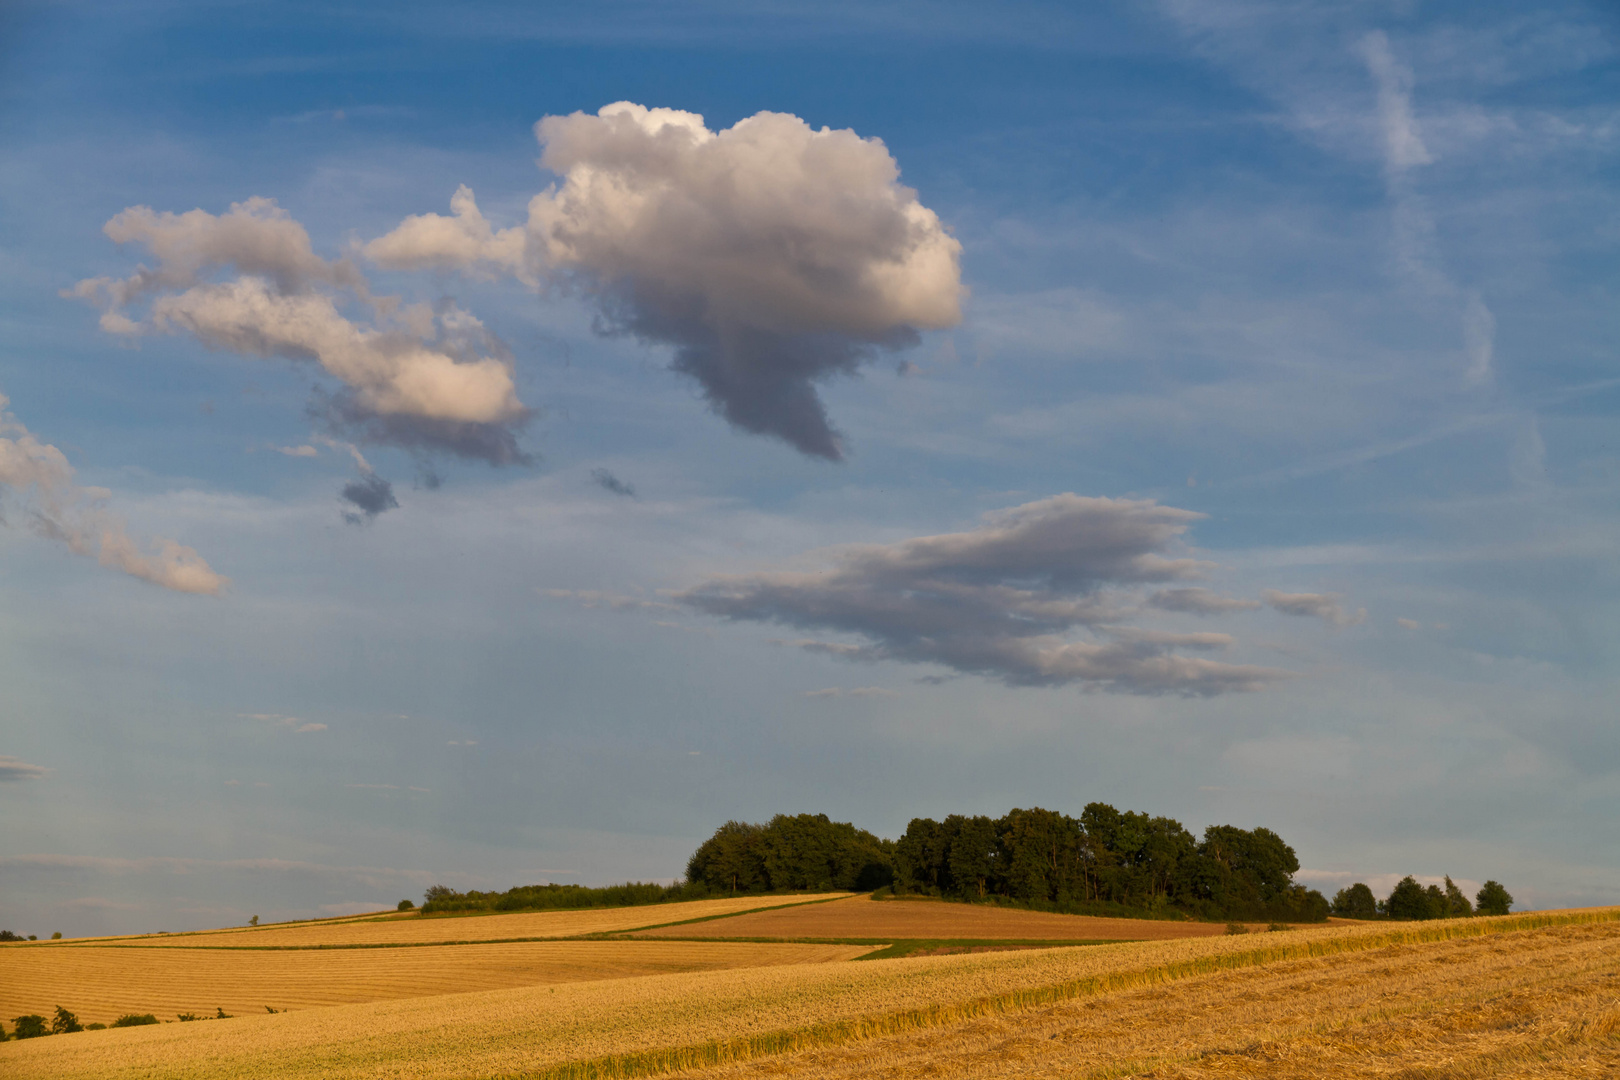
[
  {"x": 863, "y": 917},
  {"x": 1539, "y": 1004}
]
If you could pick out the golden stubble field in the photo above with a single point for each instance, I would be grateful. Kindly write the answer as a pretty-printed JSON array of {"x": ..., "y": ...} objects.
[
  {"x": 863, "y": 917},
  {"x": 103, "y": 983},
  {"x": 1519, "y": 996},
  {"x": 418, "y": 929}
]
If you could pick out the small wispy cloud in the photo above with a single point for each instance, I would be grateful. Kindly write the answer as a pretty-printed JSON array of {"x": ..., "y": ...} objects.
[
  {"x": 605, "y": 480},
  {"x": 854, "y": 692},
  {"x": 11, "y": 769},
  {"x": 594, "y": 598},
  {"x": 297, "y": 451},
  {"x": 1324, "y": 606},
  {"x": 298, "y": 725}
]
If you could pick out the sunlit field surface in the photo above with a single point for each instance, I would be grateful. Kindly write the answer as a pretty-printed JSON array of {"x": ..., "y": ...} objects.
[
  {"x": 1514, "y": 996},
  {"x": 423, "y": 929},
  {"x": 101, "y": 984},
  {"x": 863, "y": 917}
]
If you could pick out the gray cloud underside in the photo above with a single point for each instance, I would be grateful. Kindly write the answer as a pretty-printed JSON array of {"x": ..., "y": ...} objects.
[
  {"x": 370, "y": 495},
  {"x": 998, "y": 600},
  {"x": 604, "y": 479}
]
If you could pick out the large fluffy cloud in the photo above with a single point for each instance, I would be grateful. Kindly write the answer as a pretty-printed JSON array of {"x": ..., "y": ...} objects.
[
  {"x": 410, "y": 376},
  {"x": 1001, "y": 600},
  {"x": 771, "y": 255},
  {"x": 38, "y": 476}
]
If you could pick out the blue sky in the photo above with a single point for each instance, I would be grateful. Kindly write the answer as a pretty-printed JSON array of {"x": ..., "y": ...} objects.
[{"x": 1310, "y": 306}]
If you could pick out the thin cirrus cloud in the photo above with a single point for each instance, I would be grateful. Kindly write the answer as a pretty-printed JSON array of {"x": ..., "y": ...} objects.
[
  {"x": 1416, "y": 250},
  {"x": 1000, "y": 600},
  {"x": 413, "y": 377},
  {"x": 38, "y": 476},
  {"x": 1324, "y": 606},
  {"x": 770, "y": 255}
]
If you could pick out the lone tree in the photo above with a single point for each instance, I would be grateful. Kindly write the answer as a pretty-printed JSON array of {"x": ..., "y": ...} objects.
[
  {"x": 1356, "y": 902},
  {"x": 1409, "y": 900},
  {"x": 65, "y": 1023},
  {"x": 1493, "y": 899}
]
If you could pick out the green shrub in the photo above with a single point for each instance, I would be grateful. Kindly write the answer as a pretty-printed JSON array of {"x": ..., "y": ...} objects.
[
  {"x": 65, "y": 1023},
  {"x": 31, "y": 1026},
  {"x": 95, "y": 1027},
  {"x": 57, "y": 936},
  {"x": 1236, "y": 928},
  {"x": 135, "y": 1020},
  {"x": 406, "y": 905}
]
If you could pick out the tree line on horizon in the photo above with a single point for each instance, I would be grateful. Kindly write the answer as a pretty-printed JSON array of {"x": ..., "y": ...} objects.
[
  {"x": 1410, "y": 900},
  {"x": 1104, "y": 862}
]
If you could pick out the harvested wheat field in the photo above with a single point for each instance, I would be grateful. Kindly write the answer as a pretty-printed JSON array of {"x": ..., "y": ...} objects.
[
  {"x": 863, "y": 917},
  {"x": 100, "y": 984},
  {"x": 435, "y": 929},
  {"x": 1519, "y": 995}
]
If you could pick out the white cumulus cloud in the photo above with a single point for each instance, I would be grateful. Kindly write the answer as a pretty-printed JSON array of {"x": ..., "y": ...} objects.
[
  {"x": 411, "y": 376},
  {"x": 771, "y": 255}
]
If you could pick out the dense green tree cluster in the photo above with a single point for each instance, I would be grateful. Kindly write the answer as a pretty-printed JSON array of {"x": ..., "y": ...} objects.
[
  {"x": 1409, "y": 900},
  {"x": 1106, "y": 859},
  {"x": 791, "y": 852}
]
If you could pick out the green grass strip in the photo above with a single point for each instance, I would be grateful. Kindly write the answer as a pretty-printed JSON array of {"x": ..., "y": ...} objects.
[{"x": 635, "y": 1064}]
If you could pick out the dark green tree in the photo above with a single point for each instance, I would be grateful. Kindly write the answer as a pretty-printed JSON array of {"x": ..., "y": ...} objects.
[
  {"x": 975, "y": 855},
  {"x": 731, "y": 860},
  {"x": 1409, "y": 900},
  {"x": 65, "y": 1023},
  {"x": 31, "y": 1026},
  {"x": 920, "y": 858},
  {"x": 1457, "y": 905},
  {"x": 1356, "y": 902},
  {"x": 1042, "y": 854},
  {"x": 1492, "y": 899}
]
